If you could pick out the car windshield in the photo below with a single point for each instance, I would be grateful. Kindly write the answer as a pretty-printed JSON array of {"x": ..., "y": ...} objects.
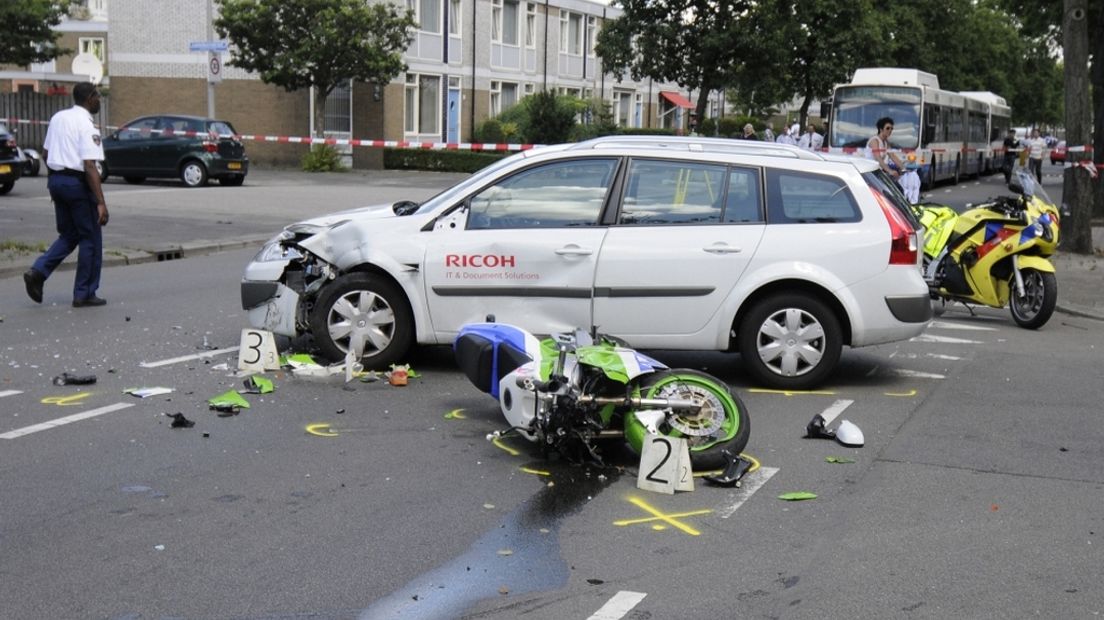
[
  {"x": 858, "y": 108},
  {"x": 474, "y": 180}
]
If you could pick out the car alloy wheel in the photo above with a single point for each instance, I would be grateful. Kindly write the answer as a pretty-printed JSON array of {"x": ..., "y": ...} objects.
[
  {"x": 363, "y": 311},
  {"x": 193, "y": 174}
]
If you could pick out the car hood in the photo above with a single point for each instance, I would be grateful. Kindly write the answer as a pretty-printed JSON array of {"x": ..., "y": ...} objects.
[{"x": 371, "y": 212}]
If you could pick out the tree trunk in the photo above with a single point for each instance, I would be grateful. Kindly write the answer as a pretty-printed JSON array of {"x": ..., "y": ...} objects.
[
  {"x": 319, "y": 128},
  {"x": 804, "y": 115},
  {"x": 699, "y": 108},
  {"x": 1077, "y": 187},
  {"x": 1097, "y": 14}
]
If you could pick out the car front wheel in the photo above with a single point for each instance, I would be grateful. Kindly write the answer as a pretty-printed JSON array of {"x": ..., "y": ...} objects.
[
  {"x": 366, "y": 312},
  {"x": 790, "y": 341},
  {"x": 193, "y": 173}
]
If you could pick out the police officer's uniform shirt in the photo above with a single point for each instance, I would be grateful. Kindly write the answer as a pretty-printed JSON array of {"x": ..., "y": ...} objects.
[{"x": 71, "y": 139}]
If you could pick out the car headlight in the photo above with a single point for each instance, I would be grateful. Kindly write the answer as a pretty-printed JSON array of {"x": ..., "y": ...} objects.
[{"x": 275, "y": 250}]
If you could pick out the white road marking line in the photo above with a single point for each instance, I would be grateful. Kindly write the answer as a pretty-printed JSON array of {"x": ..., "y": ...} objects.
[
  {"x": 621, "y": 604},
  {"x": 950, "y": 325},
  {"x": 748, "y": 486},
  {"x": 9, "y": 393},
  {"x": 76, "y": 417},
  {"x": 916, "y": 374},
  {"x": 916, "y": 356},
  {"x": 186, "y": 358},
  {"x": 940, "y": 356},
  {"x": 943, "y": 339},
  {"x": 833, "y": 410}
]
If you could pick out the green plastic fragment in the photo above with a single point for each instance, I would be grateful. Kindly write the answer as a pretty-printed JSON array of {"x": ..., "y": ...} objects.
[
  {"x": 258, "y": 384},
  {"x": 228, "y": 399},
  {"x": 797, "y": 496},
  {"x": 838, "y": 459},
  {"x": 297, "y": 358}
]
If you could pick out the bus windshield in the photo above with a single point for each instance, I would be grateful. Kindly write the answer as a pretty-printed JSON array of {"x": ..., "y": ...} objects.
[{"x": 856, "y": 110}]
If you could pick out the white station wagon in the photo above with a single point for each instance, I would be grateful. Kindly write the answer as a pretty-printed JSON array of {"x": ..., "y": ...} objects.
[{"x": 668, "y": 243}]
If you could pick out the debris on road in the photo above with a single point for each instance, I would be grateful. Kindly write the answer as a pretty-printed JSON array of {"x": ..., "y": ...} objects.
[
  {"x": 228, "y": 403},
  {"x": 68, "y": 379},
  {"x": 797, "y": 496},
  {"x": 838, "y": 459},
  {"x": 145, "y": 392},
  {"x": 257, "y": 384},
  {"x": 179, "y": 421}
]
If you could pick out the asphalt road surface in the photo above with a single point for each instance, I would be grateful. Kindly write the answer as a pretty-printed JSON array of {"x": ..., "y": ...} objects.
[{"x": 978, "y": 493}]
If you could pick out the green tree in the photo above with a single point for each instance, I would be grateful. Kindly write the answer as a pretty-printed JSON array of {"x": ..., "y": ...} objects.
[
  {"x": 817, "y": 44},
  {"x": 28, "y": 34},
  {"x": 696, "y": 44},
  {"x": 298, "y": 44}
]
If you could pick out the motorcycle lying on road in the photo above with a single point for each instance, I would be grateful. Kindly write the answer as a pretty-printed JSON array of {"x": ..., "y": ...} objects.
[
  {"x": 570, "y": 391},
  {"x": 995, "y": 254}
]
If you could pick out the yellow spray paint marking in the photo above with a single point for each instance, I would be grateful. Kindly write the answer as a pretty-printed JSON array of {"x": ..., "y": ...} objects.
[
  {"x": 667, "y": 519},
  {"x": 905, "y": 394},
  {"x": 792, "y": 392},
  {"x": 456, "y": 414},
  {"x": 498, "y": 442},
  {"x": 321, "y": 430},
  {"x": 538, "y": 472},
  {"x": 64, "y": 401}
]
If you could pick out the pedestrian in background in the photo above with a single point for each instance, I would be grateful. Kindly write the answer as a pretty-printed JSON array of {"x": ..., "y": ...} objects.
[
  {"x": 71, "y": 150},
  {"x": 810, "y": 140},
  {"x": 1011, "y": 149},
  {"x": 1038, "y": 147},
  {"x": 749, "y": 133},
  {"x": 768, "y": 134},
  {"x": 785, "y": 137}
]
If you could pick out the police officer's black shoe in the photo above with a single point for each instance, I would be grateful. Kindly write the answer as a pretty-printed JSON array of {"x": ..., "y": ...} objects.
[
  {"x": 34, "y": 280},
  {"x": 91, "y": 301}
]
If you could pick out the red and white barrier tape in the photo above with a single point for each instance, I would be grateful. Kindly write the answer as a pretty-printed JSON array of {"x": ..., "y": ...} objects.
[{"x": 398, "y": 144}]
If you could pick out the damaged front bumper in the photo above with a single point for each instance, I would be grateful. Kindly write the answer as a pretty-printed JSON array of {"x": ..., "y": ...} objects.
[{"x": 279, "y": 287}]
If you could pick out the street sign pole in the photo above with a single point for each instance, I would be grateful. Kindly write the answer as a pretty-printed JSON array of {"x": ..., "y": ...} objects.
[{"x": 210, "y": 63}]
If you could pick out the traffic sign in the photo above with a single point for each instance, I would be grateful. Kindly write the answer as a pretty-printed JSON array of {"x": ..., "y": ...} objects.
[
  {"x": 209, "y": 46},
  {"x": 214, "y": 68}
]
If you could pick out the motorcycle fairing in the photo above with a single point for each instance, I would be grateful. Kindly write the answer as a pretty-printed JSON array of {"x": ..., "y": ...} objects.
[
  {"x": 619, "y": 364},
  {"x": 487, "y": 352}
]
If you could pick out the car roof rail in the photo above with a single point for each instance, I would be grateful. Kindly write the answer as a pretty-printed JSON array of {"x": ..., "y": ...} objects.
[{"x": 698, "y": 144}]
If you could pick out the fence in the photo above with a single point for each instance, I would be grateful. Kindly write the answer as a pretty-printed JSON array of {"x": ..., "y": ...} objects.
[{"x": 37, "y": 108}]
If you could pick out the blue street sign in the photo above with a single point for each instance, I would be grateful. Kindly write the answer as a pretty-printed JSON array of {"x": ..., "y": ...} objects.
[{"x": 208, "y": 46}]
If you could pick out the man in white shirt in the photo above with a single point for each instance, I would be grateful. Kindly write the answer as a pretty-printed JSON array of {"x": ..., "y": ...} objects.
[
  {"x": 1038, "y": 148},
  {"x": 811, "y": 140},
  {"x": 785, "y": 137},
  {"x": 71, "y": 150}
]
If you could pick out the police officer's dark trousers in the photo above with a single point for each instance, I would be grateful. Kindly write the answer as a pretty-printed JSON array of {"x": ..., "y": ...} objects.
[{"x": 78, "y": 224}]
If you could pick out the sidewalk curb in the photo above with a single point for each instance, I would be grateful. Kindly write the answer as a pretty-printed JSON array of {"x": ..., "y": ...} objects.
[
  {"x": 1079, "y": 311},
  {"x": 115, "y": 257}
]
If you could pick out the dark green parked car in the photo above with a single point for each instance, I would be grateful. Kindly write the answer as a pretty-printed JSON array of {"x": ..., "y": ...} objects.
[{"x": 190, "y": 148}]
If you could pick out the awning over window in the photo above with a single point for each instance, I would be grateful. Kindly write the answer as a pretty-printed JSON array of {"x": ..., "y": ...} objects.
[{"x": 677, "y": 99}]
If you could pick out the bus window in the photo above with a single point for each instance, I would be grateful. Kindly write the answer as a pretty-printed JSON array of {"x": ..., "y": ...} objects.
[{"x": 856, "y": 110}]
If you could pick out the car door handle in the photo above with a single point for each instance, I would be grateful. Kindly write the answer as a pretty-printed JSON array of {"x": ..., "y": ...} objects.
[
  {"x": 722, "y": 248},
  {"x": 574, "y": 250}
]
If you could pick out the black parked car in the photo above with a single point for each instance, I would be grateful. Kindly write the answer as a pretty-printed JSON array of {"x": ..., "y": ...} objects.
[
  {"x": 190, "y": 148},
  {"x": 11, "y": 163}
]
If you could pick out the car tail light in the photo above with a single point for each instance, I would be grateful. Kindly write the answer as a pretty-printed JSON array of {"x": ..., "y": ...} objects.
[
  {"x": 902, "y": 248},
  {"x": 210, "y": 147}
]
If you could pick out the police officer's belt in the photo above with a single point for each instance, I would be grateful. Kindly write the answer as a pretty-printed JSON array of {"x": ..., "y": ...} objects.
[{"x": 67, "y": 172}]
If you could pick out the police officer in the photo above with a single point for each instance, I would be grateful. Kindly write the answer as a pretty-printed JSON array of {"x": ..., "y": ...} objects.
[{"x": 71, "y": 150}]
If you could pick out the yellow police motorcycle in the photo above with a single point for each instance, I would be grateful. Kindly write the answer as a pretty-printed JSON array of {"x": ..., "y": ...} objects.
[{"x": 995, "y": 254}]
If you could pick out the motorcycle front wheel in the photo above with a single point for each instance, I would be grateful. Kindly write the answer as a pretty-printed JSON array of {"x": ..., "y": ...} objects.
[
  {"x": 1034, "y": 309},
  {"x": 721, "y": 424}
]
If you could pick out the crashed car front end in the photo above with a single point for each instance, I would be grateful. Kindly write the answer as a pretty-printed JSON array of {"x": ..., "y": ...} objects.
[{"x": 282, "y": 280}]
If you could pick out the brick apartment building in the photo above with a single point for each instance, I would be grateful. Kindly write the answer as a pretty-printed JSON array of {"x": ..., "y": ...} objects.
[{"x": 470, "y": 60}]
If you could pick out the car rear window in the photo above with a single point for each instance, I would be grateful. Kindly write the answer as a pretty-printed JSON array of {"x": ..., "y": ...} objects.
[
  {"x": 221, "y": 128},
  {"x": 880, "y": 181},
  {"x": 806, "y": 198}
]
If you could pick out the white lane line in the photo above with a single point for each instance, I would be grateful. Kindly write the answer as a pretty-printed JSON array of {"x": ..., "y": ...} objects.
[
  {"x": 950, "y": 325},
  {"x": 833, "y": 410},
  {"x": 9, "y": 393},
  {"x": 76, "y": 417},
  {"x": 916, "y": 374},
  {"x": 748, "y": 486},
  {"x": 916, "y": 356},
  {"x": 943, "y": 339},
  {"x": 185, "y": 358},
  {"x": 940, "y": 356},
  {"x": 621, "y": 604}
]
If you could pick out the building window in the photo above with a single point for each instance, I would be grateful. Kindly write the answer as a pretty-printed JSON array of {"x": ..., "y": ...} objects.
[
  {"x": 427, "y": 14},
  {"x": 455, "y": 7},
  {"x": 591, "y": 33},
  {"x": 92, "y": 45},
  {"x": 423, "y": 104},
  {"x": 503, "y": 96},
  {"x": 504, "y": 21},
  {"x": 571, "y": 33},
  {"x": 623, "y": 108},
  {"x": 530, "y": 25},
  {"x": 529, "y": 89}
]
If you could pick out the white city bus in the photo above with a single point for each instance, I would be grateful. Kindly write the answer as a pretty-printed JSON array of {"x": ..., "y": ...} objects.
[
  {"x": 1000, "y": 120},
  {"x": 950, "y": 133}
]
